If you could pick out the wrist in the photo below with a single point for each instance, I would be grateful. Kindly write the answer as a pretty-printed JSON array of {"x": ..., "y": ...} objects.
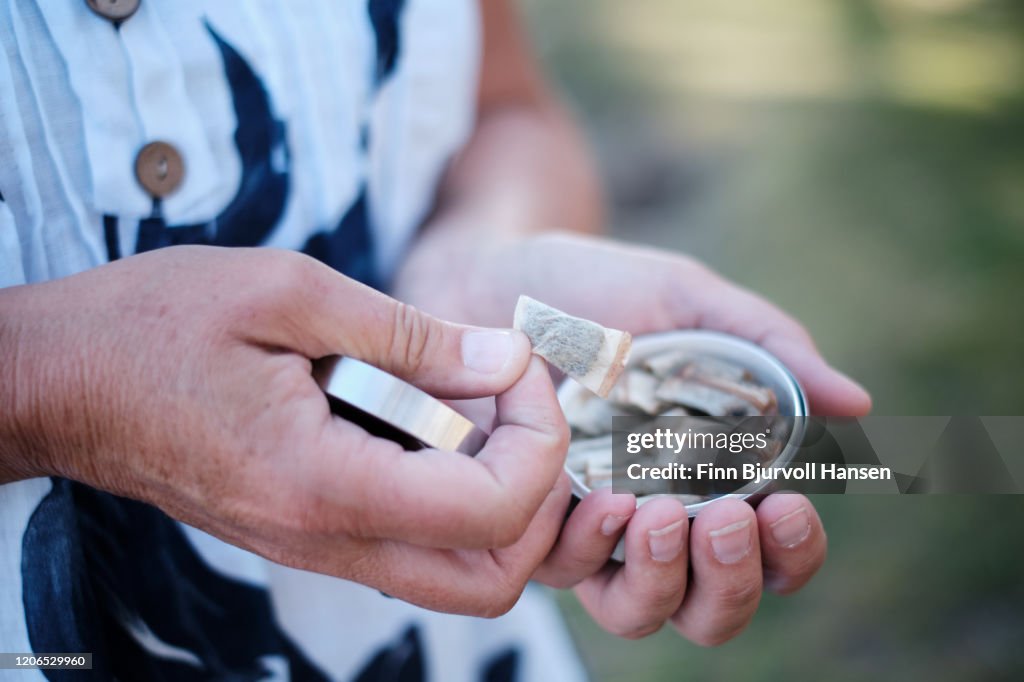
[
  {"x": 452, "y": 268},
  {"x": 46, "y": 373},
  {"x": 20, "y": 454}
]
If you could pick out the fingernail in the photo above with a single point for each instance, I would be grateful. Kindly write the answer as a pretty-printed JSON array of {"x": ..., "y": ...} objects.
[
  {"x": 792, "y": 529},
  {"x": 666, "y": 543},
  {"x": 612, "y": 524},
  {"x": 731, "y": 543},
  {"x": 486, "y": 351}
]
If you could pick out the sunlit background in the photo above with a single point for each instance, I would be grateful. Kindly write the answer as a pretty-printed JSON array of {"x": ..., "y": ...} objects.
[{"x": 861, "y": 162}]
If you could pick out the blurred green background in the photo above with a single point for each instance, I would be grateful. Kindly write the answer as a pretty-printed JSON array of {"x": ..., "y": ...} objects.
[{"x": 860, "y": 162}]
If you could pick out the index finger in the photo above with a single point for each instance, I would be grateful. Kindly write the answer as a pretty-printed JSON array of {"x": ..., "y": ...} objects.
[
  {"x": 445, "y": 499},
  {"x": 741, "y": 312}
]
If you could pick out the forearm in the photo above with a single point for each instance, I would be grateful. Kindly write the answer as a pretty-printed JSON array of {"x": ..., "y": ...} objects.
[{"x": 526, "y": 170}]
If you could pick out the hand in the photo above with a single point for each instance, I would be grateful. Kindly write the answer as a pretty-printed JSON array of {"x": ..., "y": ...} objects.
[
  {"x": 731, "y": 550},
  {"x": 182, "y": 377}
]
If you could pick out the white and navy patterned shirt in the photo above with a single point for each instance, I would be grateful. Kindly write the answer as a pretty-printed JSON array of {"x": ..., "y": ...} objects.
[{"x": 321, "y": 126}]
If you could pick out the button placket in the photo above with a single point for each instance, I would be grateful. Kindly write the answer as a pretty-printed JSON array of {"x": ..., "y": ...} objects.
[{"x": 183, "y": 174}]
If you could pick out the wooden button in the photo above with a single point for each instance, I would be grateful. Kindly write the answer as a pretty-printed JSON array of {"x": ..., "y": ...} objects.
[
  {"x": 114, "y": 10},
  {"x": 159, "y": 168}
]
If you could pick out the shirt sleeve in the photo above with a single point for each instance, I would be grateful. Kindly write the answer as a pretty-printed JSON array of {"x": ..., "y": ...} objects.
[{"x": 11, "y": 270}]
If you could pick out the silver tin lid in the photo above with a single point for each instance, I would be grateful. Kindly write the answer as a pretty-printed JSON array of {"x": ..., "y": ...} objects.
[{"x": 391, "y": 408}]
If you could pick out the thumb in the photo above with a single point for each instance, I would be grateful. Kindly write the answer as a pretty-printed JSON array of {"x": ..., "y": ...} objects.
[{"x": 445, "y": 359}]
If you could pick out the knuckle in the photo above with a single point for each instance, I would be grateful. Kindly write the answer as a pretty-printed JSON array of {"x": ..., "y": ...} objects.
[
  {"x": 281, "y": 275},
  {"x": 566, "y": 579},
  {"x": 665, "y": 594},
  {"x": 501, "y": 518},
  {"x": 508, "y": 526},
  {"x": 785, "y": 328},
  {"x": 502, "y": 599},
  {"x": 713, "y": 638},
  {"x": 497, "y": 607},
  {"x": 715, "y": 633},
  {"x": 568, "y": 572},
  {"x": 636, "y": 630},
  {"x": 684, "y": 268},
  {"x": 810, "y": 564},
  {"x": 411, "y": 337},
  {"x": 738, "y": 596},
  {"x": 561, "y": 436},
  {"x": 553, "y": 434},
  {"x": 796, "y": 331},
  {"x": 797, "y": 574},
  {"x": 291, "y": 270}
]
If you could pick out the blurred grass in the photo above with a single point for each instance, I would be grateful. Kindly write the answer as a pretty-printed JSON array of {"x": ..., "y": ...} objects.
[{"x": 861, "y": 163}]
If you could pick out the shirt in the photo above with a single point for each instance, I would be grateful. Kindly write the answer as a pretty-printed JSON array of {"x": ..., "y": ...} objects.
[{"x": 317, "y": 125}]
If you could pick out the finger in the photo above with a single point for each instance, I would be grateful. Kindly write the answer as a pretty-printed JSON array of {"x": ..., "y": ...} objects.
[
  {"x": 471, "y": 582},
  {"x": 743, "y": 313},
  {"x": 588, "y": 538},
  {"x": 446, "y": 499},
  {"x": 726, "y": 580},
  {"x": 636, "y": 598},
  {"x": 829, "y": 392},
  {"x": 520, "y": 560},
  {"x": 793, "y": 542},
  {"x": 327, "y": 313}
]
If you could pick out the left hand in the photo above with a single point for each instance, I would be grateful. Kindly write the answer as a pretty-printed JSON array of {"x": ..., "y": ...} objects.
[{"x": 731, "y": 551}]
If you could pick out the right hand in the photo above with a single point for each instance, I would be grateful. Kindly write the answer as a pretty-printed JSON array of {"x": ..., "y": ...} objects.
[{"x": 182, "y": 377}]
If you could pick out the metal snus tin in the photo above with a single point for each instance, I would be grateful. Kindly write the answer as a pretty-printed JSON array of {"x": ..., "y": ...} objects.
[{"x": 707, "y": 370}]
